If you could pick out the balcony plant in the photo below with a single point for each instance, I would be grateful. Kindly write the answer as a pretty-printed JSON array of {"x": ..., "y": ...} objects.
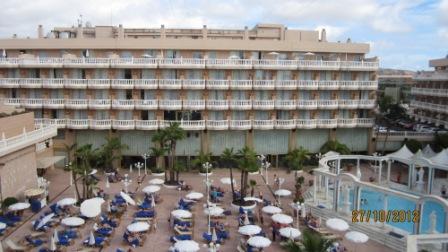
[{"x": 228, "y": 158}]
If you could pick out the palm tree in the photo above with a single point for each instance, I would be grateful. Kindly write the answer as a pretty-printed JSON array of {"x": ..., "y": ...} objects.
[
  {"x": 201, "y": 159},
  {"x": 335, "y": 145},
  {"x": 252, "y": 184},
  {"x": 86, "y": 157},
  {"x": 111, "y": 151},
  {"x": 296, "y": 158},
  {"x": 248, "y": 162},
  {"x": 311, "y": 242},
  {"x": 228, "y": 158},
  {"x": 157, "y": 153}
]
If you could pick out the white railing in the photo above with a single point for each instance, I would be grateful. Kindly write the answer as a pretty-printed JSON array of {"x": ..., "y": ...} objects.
[
  {"x": 308, "y": 84},
  {"x": 430, "y": 106},
  {"x": 134, "y": 62},
  {"x": 285, "y": 124},
  {"x": 123, "y": 104},
  {"x": 10, "y": 82},
  {"x": 327, "y": 123},
  {"x": 54, "y": 103},
  {"x": 31, "y": 83},
  {"x": 241, "y": 84},
  {"x": 186, "y": 124},
  {"x": 217, "y": 104},
  {"x": 275, "y": 64},
  {"x": 99, "y": 103},
  {"x": 366, "y": 104},
  {"x": 217, "y": 124},
  {"x": 182, "y": 62},
  {"x": 370, "y": 85},
  {"x": 328, "y": 85},
  {"x": 347, "y": 122},
  {"x": 60, "y": 123},
  {"x": 100, "y": 124},
  {"x": 146, "y": 124},
  {"x": 76, "y": 103},
  {"x": 263, "y": 104},
  {"x": 146, "y": 84},
  {"x": 285, "y": 104},
  {"x": 170, "y": 104},
  {"x": 193, "y": 84},
  {"x": 307, "y": 104},
  {"x": 32, "y": 102},
  {"x": 327, "y": 104},
  {"x": 348, "y": 104},
  {"x": 240, "y": 124},
  {"x": 170, "y": 84},
  {"x": 75, "y": 83},
  {"x": 264, "y": 84},
  {"x": 123, "y": 124},
  {"x": 193, "y": 104},
  {"x": 53, "y": 83},
  {"x": 306, "y": 123},
  {"x": 98, "y": 83},
  {"x": 430, "y": 91},
  {"x": 263, "y": 124},
  {"x": 218, "y": 84},
  {"x": 123, "y": 83},
  {"x": 78, "y": 123},
  {"x": 365, "y": 122},
  {"x": 9, "y": 145},
  {"x": 229, "y": 63},
  {"x": 240, "y": 104},
  {"x": 286, "y": 84},
  {"x": 146, "y": 104}
]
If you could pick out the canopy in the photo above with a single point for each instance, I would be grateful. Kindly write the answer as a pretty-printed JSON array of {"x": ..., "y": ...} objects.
[
  {"x": 45, "y": 162},
  {"x": 72, "y": 221},
  {"x": 156, "y": 181},
  {"x": 214, "y": 211},
  {"x": 19, "y": 206},
  {"x": 194, "y": 196},
  {"x": 44, "y": 220},
  {"x": 259, "y": 242},
  {"x": 179, "y": 213},
  {"x": 356, "y": 237},
  {"x": 249, "y": 230},
  {"x": 290, "y": 233},
  {"x": 91, "y": 208},
  {"x": 402, "y": 154},
  {"x": 34, "y": 192},
  {"x": 253, "y": 199},
  {"x": 271, "y": 210},
  {"x": 227, "y": 181},
  {"x": 127, "y": 198},
  {"x": 282, "y": 192},
  {"x": 151, "y": 189},
  {"x": 138, "y": 227},
  {"x": 186, "y": 246},
  {"x": 282, "y": 218},
  {"x": 441, "y": 157},
  {"x": 66, "y": 202},
  {"x": 428, "y": 152},
  {"x": 337, "y": 224}
]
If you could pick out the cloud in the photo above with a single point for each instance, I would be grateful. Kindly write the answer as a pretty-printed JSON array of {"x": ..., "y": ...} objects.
[{"x": 443, "y": 12}]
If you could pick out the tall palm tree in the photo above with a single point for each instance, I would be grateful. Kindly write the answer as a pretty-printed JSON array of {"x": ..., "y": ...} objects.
[
  {"x": 201, "y": 159},
  {"x": 335, "y": 145},
  {"x": 86, "y": 157},
  {"x": 311, "y": 242},
  {"x": 111, "y": 151},
  {"x": 247, "y": 162},
  {"x": 296, "y": 158},
  {"x": 228, "y": 157},
  {"x": 157, "y": 153}
]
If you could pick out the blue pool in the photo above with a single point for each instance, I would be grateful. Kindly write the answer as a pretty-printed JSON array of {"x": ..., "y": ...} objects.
[{"x": 375, "y": 201}]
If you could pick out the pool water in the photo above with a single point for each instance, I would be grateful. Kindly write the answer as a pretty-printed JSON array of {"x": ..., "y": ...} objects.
[{"x": 375, "y": 201}]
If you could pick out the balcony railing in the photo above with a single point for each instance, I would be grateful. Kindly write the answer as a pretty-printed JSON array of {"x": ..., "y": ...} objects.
[
  {"x": 218, "y": 84},
  {"x": 264, "y": 84},
  {"x": 430, "y": 91},
  {"x": 60, "y": 123},
  {"x": 146, "y": 104},
  {"x": 123, "y": 124},
  {"x": 134, "y": 63},
  {"x": 367, "y": 104},
  {"x": 286, "y": 84},
  {"x": 307, "y": 104},
  {"x": 186, "y": 124},
  {"x": 217, "y": 104},
  {"x": 365, "y": 122},
  {"x": 33, "y": 103},
  {"x": 193, "y": 104},
  {"x": 327, "y": 123},
  {"x": 193, "y": 84},
  {"x": 78, "y": 123},
  {"x": 123, "y": 104},
  {"x": 76, "y": 103},
  {"x": 53, "y": 83},
  {"x": 327, "y": 104},
  {"x": 99, "y": 104},
  {"x": 98, "y": 83},
  {"x": 181, "y": 63},
  {"x": 146, "y": 84},
  {"x": 263, "y": 124},
  {"x": 170, "y": 84},
  {"x": 241, "y": 84},
  {"x": 229, "y": 63},
  {"x": 348, "y": 104},
  {"x": 285, "y": 124},
  {"x": 54, "y": 103},
  {"x": 263, "y": 104},
  {"x": 275, "y": 64},
  {"x": 9, "y": 145},
  {"x": 347, "y": 122},
  {"x": 442, "y": 108},
  {"x": 31, "y": 83},
  {"x": 328, "y": 85},
  {"x": 170, "y": 104},
  {"x": 285, "y": 104},
  {"x": 9, "y": 82},
  {"x": 217, "y": 124},
  {"x": 123, "y": 84},
  {"x": 75, "y": 83},
  {"x": 240, "y": 104},
  {"x": 308, "y": 84},
  {"x": 100, "y": 124},
  {"x": 146, "y": 124},
  {"x": 240, "y": 124},
  {"x": 306, "y": 123}
]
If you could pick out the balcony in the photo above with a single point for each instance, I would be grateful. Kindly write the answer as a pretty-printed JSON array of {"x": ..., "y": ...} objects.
[
  {"x": 170, "y": 104},
  {"x": 33, "y": 103},
  {"x": 306, "y": 123},
  {"x": 193, "y": 84},
  {"x": 430, "y": 92},
  {"x": 123, "y": 104},
  {"x": 285, "y": 104},
  {"x": 146, "y": 124},
  {"x": 229, "y": 63},
  {"x": 240, "y": 124},
  {"x": 308, "y": 84},
  {"x": 146, "y": 84},
  {"x": 327, "y": 123},
  {"x": 78, "y": 123},
  {"x": 123, "y": 124},
  {"x": 217, "y": 124},
  {"x": 186, "y": 124},
  {"x": 286, "y": 84},
  {"x": 365, "y": 122},
  {"x": 318, "y": 65},
  {"x": 218, "y": 84},
  {"x": 264, "y": 84},
  {"x": 359, "y": 65},
  {"x": 328, "y": 85},
  {"x": 182, "y": 63},
  {"x": 98, "y": 84},
  {"x": 59, "y": 123},
  {"x": 30, "y": 83},
  {"x": 99, "y": 104},
  {"x": 12, "y": 101},
  {"x": 26, "y": 139},
  {"x": 53, "y": 83},
  {"x": 263, "y": 104},
  {"x": 170, "y": 84},
  {"x": 123, "y": 84},
  {"x": 241, "y": 104},
  {"x": 285, "y": 124},
  {"x": 441, "y": 108},
  {"x": 275, "y": 64},
  {"x": 75, "y": 83},
  {"x": 217, "y": 104},
  {"x": 54, "y": 103},
  {"x": 146, "y": 104},
  {"x": 347, "y": 122},
  {"x": 263, "y": 124},
  {"x": 367, "y": 104},
  {"x": 9, "y": 62},
  {"x": 76, "y": 103},
  {"x": 327, "y": 104},
  {"x": 87, "y": 63},
  {"x": 133, "y": 63},
  {"x": 368, "y": 85},
  {"x": 9, "y": 82},
  {"x": 100, "y": 124},
  {"x": 240, "y": 84},
  {"x": 348, "y": 104},
  {"x": 41, "y": 62},
  {"x": 193, "y": 104},
  {"x": 307, "y": 104}
]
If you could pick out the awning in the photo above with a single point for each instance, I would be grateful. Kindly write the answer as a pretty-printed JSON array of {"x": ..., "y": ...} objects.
[{"x": 45, "y": 162}]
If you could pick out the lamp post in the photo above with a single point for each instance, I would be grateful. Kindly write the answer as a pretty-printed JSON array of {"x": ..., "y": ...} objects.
[
  {"x": 145, "y": 156},
  {"x": 264, "y": 164},
  {"x": 207, "y": 166},
  {"x": 138, "y": 165},
  {"x": 126, "y": 182},
  {"x": 68, "y": 166}
]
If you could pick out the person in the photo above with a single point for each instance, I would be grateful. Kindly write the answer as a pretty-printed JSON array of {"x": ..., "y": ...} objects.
[
  {"x": 443, "y": 191},
  {"x": 276, "y": 181}
]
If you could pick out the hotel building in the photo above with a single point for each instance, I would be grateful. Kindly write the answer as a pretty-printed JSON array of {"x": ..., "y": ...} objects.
[
  {"x": 430, "y": 94},
  {"x": 268, "y": 87}
]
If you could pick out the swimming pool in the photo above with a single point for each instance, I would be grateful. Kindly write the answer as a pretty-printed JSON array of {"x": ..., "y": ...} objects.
[{"x": 375, "y": 201}]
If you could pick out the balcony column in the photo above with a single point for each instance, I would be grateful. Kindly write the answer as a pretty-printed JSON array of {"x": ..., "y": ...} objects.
[
  {"x": 326, "y": 187},
  {"x": 205, "y": 141},
  {"x": 380, "y": 169},
  {"x": 430, "y": 179},
  {"x": 411, "y": 176},
  {"x": 389, "y": 164},
  {"x": 335, "y": 194},
  {"x": 292, "y": 141}
]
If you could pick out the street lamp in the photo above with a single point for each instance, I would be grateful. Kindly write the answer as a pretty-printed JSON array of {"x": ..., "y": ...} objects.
[
  {"x": 138, "y": 165},
  {"x": 208, "y": 182},
  {"x": 68, "y": 167},
  {"x": 145, "y": 156},
  {"x": 264, "y": 164}
]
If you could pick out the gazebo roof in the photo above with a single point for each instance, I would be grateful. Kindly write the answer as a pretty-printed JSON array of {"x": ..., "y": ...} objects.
[
  {"x": 441, "y": 158},
  {"x": 403, "y": 153},
  {"x": 428, "y": 152}
]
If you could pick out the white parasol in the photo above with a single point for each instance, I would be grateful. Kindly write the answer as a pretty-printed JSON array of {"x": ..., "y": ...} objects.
[
  {"x": 19, "y": 206},
  {"x": 214, "y": 236},
  {"x": 246, "y": 220},
  {"x": 127, "y": 198},
  {"x": 90, "y": 208},
  {"x": 337, "y": 224},
  {"x": 2, "y": 225},
  {"x": 253, "y": 199},
  {"x": 271, "y": 210},
  {"x": 156, "y": 181},
  {"x": 290, "y": 233},
  {"x": 55, "y": 236},
  {"x": 138, "y": 227},
  {"x": 66, "y": 202},
  {"x": 151, "y": 189},
  {"x": 44, "y": 220},
  {"x": 356, "y": 237},
  {"x": 72, "y": 221},
  {"x": 94, "y": 171},
  {"x": 249, "y": 230},
  {"x": 194, "y": 196},
  {"x": 179, "y": 213},
  {"x": 282, "y": 218},
  {"x": 186, "y": 246},
  {"x": 227, "y": 181},
  {"x": 153, "y": 202},
  {"x": 53, "y": 244},
  {"x": 91, "y": 239},
  {"x": 282, "y": 192},
  {"x": 259, "y": 242},
  {"x": 214, "y": 211},
  {"x": 34, "y": 192}
]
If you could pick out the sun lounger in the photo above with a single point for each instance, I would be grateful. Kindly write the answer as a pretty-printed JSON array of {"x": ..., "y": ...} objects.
[
  {"x": 14, "y": 247},
  {"x": 180, "y": 231}
]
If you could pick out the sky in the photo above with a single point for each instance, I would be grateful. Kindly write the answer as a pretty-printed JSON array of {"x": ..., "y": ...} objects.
[{"x": 404, "y": 34}]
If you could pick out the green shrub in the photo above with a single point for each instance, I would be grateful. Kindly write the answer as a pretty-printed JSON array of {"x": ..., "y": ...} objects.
[{"x": 9, "y": 201}]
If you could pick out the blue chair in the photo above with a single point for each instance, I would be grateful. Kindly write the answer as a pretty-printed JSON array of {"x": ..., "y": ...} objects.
[
  {"x": 71, "y": 234},
  {"x": 35, "y": 205},
  {"x": 104, "y": 231},
  {"x": 222, "y": 235},
  {"x": 180, "y": 237},
  {"x": 63, "y": 240},
  {"x": 33, "y": 242},
  {"x": 99, "y": 241},
  {"x": 182, "y": 223},
  {"x": 144, "y": 214}
]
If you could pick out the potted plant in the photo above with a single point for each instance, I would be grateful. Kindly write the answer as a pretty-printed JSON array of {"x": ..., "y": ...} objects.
[
  {"x": 200, "y": 161},
  {"x": 298, "y": 197},
  {"x": 296, "y": 159}
]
